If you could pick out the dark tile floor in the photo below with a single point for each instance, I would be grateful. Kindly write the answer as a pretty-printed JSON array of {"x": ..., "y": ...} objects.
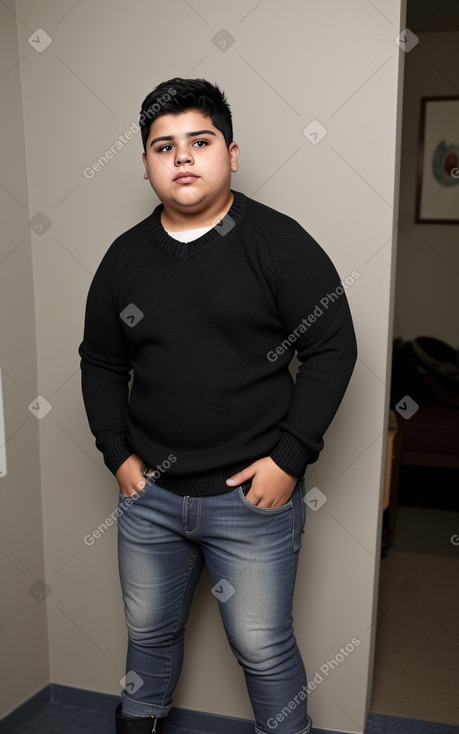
[
  {"x": 64, "y": 718},
  {"x": 56, "y": 718},
  {"x": 67, "y": 719}
]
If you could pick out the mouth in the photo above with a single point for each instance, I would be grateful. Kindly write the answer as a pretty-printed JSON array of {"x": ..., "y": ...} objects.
[{"x": 186, "y": 177}]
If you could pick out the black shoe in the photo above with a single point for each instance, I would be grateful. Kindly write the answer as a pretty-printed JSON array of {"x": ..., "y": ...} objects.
[{"x": 148, "y": 725}]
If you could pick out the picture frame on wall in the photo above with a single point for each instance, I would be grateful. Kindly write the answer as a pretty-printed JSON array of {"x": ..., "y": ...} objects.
[{"x": 437, "y": 187}]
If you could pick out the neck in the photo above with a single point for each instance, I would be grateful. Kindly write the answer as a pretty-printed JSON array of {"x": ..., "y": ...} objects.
[{"x": 176, "y": 221}]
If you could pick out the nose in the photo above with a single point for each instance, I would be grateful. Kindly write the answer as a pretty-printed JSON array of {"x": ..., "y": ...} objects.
[{"x": 183, "y": 156}]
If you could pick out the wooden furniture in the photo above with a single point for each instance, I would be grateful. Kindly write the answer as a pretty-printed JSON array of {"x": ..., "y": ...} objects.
[{"x": 390, "y": 501}]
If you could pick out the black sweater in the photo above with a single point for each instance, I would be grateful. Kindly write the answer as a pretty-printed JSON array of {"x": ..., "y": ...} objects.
[{"x": 208, "y": 329}]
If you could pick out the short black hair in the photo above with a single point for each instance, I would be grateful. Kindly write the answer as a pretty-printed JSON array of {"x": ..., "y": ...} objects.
[{"x": 180, "y": 95}]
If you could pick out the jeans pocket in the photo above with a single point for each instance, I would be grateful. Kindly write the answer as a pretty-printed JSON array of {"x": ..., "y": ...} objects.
[
  {"x": 299, "y": 513},
  {"x": 243, "y": 490},
  {"x": 137, "y": 495}
]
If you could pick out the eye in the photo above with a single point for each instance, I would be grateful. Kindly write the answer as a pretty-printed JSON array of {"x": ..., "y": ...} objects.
[
  {"x": 200, "y": 143},
  {"x": 164, "y": 149}
]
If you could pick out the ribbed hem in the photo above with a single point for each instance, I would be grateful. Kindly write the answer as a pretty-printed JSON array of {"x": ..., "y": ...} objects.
[
  {"x": 292, "y": 455},
  {"x": 115, "y": 449},
  {"x": 200, "y": 485}
]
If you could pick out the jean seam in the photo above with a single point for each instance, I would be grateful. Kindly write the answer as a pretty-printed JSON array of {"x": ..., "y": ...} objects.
[
  {"x": 302, "y": 520},
  {"x": 189, "y": 533},
  {"x": 178, "y": 621},
  {"x": 293, "y": 523}
]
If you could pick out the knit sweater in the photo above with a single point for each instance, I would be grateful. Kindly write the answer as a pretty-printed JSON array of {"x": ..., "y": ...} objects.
[{"x": 207, "y": 330}]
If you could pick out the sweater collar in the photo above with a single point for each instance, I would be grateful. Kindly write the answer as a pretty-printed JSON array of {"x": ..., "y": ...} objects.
[{"x": 185, "y": 250}]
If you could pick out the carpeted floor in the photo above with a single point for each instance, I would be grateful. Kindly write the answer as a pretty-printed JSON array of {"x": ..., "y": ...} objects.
[{"x": 417, "y": 649}]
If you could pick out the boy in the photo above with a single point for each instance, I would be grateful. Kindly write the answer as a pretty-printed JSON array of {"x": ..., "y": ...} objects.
[{"x": 206, "y": 301}]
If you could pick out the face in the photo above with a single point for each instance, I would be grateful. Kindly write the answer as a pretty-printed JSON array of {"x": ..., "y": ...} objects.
[{"x": 189, "y": 165}]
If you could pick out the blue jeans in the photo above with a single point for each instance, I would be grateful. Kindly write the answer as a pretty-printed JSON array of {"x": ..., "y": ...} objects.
[{"x": 252, "y": 555}]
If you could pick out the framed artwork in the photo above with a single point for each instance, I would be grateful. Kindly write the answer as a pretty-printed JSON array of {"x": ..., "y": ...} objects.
[{"x": 437, "y": 189}]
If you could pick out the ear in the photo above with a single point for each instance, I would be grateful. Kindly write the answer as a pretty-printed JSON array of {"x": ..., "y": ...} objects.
[{"x": 234, "y": 156}]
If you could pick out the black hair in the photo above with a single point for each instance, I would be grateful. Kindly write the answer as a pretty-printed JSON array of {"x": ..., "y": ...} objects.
[{"x": 180, "y": 95}]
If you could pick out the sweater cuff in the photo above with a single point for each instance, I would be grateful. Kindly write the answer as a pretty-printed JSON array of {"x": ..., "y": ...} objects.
[
  {"x": 292, "y": 456},
  {"x": 115, "y": 449}
]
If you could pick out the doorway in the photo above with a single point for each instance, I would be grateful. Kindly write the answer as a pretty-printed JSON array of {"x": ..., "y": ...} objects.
[{"x": 417, "y": 642}]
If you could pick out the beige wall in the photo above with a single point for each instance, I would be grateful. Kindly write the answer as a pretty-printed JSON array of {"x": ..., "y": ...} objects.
[
  {"x": 427, "y": 290},
  {"x": 23, "y": 629},
  {"x": 327, "y": 61}
]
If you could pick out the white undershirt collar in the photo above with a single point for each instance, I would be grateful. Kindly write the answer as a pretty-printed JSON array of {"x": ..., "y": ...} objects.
[{"x": 188, "y": 235}]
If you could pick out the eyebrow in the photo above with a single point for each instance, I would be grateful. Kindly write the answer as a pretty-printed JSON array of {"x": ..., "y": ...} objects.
[{"x": 189, "y": 135}]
